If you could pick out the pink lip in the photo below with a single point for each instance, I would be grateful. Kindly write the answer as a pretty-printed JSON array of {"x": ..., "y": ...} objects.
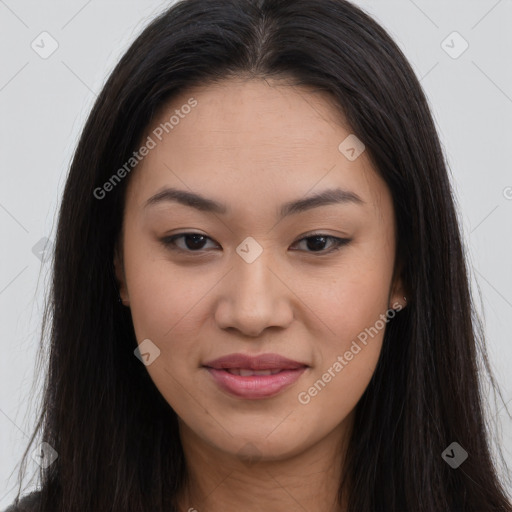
[{"x": 255, "y": 386}]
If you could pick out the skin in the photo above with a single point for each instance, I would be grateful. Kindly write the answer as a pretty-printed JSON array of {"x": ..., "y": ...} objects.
[{"x": 253, "y": 145}]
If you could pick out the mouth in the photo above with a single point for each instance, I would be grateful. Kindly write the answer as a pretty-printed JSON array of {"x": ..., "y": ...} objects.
[
  {"x": 256, "y": 377},
  {"x": 244, "y": 372}
]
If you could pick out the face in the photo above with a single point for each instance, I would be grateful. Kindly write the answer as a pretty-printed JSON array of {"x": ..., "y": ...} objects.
[{"x": 258, "y": 266}]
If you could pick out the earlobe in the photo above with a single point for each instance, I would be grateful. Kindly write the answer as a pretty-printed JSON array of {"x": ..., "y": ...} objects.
[
  {"x": 398, "y": 304},
  {"x": 399, "y": 295},
  {"x": 120, "y": 277},
  {"x": 398, "y": 298}
]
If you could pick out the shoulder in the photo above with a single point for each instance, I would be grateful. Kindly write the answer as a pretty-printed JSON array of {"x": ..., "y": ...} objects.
[{"x": 26, "y": 504}]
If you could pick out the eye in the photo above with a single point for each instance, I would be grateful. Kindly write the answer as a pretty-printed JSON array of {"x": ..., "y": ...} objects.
[
  {"x": 317, "y": 241},
  {"x": 195, "y": 242}
]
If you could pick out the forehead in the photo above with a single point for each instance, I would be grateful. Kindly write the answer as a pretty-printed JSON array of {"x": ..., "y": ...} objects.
[
  {"x": 249, "y": 116},
  {"x": 257, "y": 139}
]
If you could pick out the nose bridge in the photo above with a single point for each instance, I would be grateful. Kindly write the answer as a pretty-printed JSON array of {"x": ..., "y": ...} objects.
[
  {"x": 254, "y": 280},
  {"x": 255, "y": 297}
]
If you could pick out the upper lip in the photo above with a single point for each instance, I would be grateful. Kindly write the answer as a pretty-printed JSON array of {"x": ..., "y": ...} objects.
[{"x": 261, "y": 362}]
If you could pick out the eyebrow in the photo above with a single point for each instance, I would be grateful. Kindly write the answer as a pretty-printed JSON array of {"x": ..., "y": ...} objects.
[{"x": 193, "y": 200}]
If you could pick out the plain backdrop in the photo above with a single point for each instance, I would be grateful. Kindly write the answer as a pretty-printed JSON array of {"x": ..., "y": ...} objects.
[{"x": 44, "y": 103}]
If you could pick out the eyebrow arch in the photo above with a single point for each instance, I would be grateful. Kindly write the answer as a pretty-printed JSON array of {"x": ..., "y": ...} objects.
[{"x": 193, "y": 200}]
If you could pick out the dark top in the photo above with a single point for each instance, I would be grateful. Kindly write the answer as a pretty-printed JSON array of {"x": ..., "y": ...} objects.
[{"x": 26, "y": 504}]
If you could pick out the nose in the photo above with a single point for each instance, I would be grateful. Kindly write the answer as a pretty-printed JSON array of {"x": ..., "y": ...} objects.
[{"x": 254, "y": 297}]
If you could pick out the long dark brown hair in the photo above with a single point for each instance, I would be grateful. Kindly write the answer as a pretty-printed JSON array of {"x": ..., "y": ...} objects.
[{"x": 116, "y": 437}]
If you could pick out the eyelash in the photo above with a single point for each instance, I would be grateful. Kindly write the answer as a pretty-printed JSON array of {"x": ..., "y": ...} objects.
[{"x": 169, "y": 242}]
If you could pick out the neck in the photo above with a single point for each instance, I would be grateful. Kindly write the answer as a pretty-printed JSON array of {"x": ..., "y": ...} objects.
[{"x": 218, "y": 481}]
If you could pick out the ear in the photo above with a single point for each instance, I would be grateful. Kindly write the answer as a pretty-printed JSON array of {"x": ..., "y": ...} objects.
[
  {"x": 398, "y": 293},
  {"x": 120, "y": 275},
  {"x": 398, "y": 296}
]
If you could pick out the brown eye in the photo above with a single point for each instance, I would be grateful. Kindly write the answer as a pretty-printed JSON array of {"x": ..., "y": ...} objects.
[
  {"x": 317, "y": 242},
  {"x": 193, "y": 242}
]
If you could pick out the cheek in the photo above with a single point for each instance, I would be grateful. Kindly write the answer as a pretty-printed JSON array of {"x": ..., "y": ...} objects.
[
  {"x": 166, "y": 304},
  {"x": 345, "y": 356},
  {"x": 349, "y": 303},
  {"x": 162, "y": 296},
  {"x": 352, "y": 308}
]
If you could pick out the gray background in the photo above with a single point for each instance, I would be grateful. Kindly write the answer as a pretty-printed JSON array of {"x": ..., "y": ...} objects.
[{"x": 44, "y": 103}]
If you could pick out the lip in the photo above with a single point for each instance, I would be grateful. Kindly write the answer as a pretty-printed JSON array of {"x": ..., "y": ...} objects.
[{"x": 255, "y": 386}]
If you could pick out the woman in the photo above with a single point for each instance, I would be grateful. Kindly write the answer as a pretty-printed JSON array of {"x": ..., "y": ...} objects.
[{"x": 260, "y": 299}]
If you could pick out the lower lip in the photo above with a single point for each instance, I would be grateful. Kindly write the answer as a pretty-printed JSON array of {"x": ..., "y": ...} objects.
[{"x": 255, "y": 386}]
